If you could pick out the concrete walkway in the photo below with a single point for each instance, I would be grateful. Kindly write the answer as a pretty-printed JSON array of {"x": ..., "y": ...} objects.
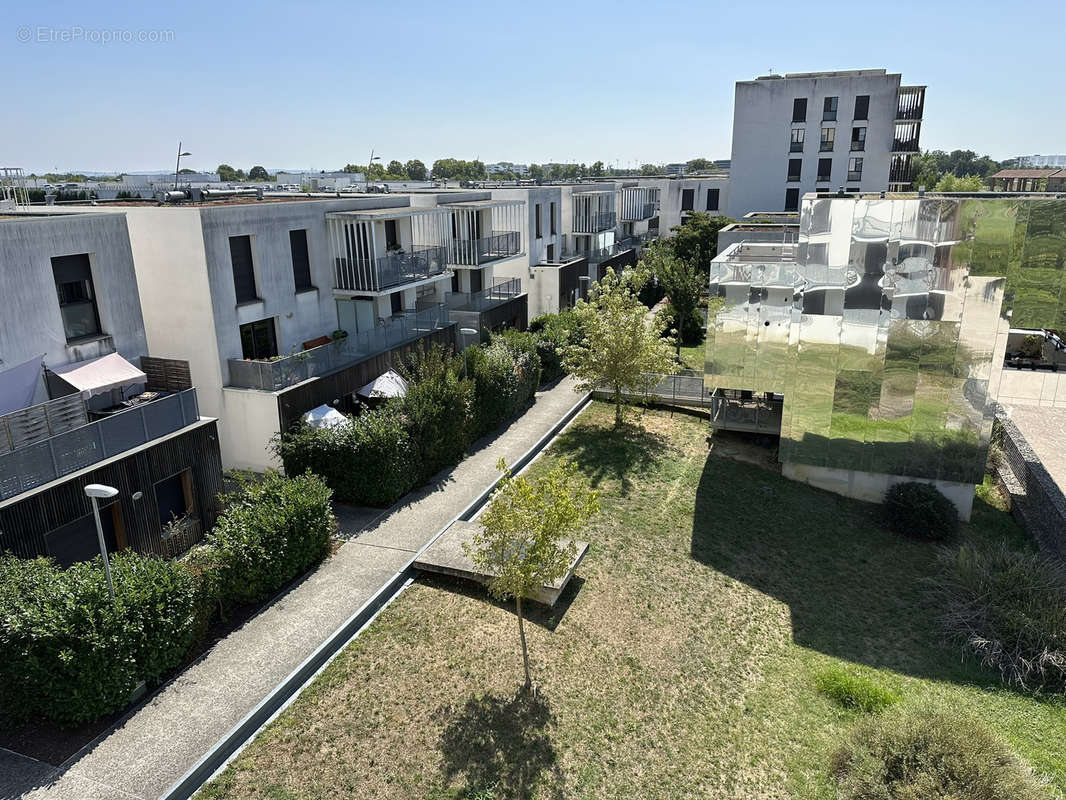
[{"x": 147, "y": 752}]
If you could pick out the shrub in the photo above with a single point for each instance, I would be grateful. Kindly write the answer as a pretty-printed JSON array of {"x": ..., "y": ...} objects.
[
  {"x": 371, "y": 461},
  {"x": 919, "y": 509},
  {"x": 505, "y": 373},
  {"x": 1009, "y": 610},
  {"x": 436, "y": 409},
  {"x": 856, "y": 692},
  {"x": 269, "y": 532},
  {"x": 70, "y": 654},
  {"x": 924, "y": 756},
  {"x": 553, "y": 332}
]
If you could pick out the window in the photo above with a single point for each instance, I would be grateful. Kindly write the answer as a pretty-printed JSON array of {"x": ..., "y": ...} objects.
[
  {"x": 396, "y": 300},
  {"x": 77, "y": 299},
  {"x": 825, "y": 169},
  {"x": 794, "y": 167},
  {"x": 862, "y": 106},
  {"x": 799, "y": 109},
  {"x": 536, "y": 212},
  {"x": 855, "y": 169},
  {"x": 829, "y": 108},
  {"x": 301, "y": 261},
  {"x": 240, "y": 253},
  {"x": 829, "y": 136},
  {"x": 797, "y": 140},
  {"x": 551, "y": 219},
  {"x": 392, "y": 236},
  {"x": 258, "y": 339},
  {"x": 174, "y": 497},
  {"x": 712, "y": 199},
  {"x": 858, "y": 138},
  {"x": 792, "y": 199},
  {"x": 476, "y": 284},
  {"x": 688, "y": 197},
  {"x": 551, "y": 254}
]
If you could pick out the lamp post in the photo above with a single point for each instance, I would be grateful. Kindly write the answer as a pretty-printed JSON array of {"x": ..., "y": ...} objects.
[
  {"x": 96, "y": 491},
  {"x": 369, "y": 164},
  {"x": 464, "y": 332},
  {"x": 177, "y": 164}
]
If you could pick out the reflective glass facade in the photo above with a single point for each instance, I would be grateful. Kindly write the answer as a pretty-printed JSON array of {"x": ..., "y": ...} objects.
[{"x": 878, "y": 327}]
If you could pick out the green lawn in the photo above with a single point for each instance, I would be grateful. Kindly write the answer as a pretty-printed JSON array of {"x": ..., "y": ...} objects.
[
  {"x": 693, "y": 356},
  {"x": 681, "y": 664}
]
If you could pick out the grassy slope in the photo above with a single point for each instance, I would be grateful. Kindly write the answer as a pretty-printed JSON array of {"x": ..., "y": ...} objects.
[{"x": 683, "y": 666}]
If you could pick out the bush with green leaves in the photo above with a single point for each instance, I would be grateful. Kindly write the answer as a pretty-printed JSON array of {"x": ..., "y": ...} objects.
[
  {"x": 920, "y": 510},
  {"x": 270, "y": 531},
  {"x": 919, "y": 756},
  {"x": 371, "y": 461},
  {"x": 853, "y": 691},
  {"x": 506, "y": 374},
  {"x": 69, "y": 653},
  {"x": 1008, "y": 609},
  {"x": 436, "y": 408},
  {"x": 553, "y": 333}
]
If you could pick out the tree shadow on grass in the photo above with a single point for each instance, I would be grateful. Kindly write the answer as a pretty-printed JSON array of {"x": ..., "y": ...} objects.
[
  {"x": 623, "y": 454},
  {"x": 854, "y": 590},
  {"x": 501, "y": 747}
]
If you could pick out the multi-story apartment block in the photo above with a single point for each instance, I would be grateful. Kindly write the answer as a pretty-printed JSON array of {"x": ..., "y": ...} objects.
[
  {"x": 854, "y": 130},
  {"x": 874, "y": 346},
  {"x": 81, "y": 401},
  {"x": 1040, "y": 162}
]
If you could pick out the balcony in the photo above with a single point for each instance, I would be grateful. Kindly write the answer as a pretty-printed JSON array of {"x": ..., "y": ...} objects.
[
  {"x": 910, "y": 104},
  {"x": 394, "y": 269},
  {"x": 595, "y": 223},
  {"x": 280, "y": 373},
  {"x": 904, "y": 145},
  {"x": 485, "y": 299},
  {"x": 475, "y": 252},
  {"x": 29, "y": 462}
]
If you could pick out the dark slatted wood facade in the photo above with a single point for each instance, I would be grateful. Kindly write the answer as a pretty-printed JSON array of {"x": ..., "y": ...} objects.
[
  {"x": 298, "y": 400},
  {"x": 25, "y": 522},
  {"x": 166, "y": 374}
]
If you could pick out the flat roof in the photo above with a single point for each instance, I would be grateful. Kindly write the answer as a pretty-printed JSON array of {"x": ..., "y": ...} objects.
[
  {"x": 483, "y": 203},
  {"x": 384, "y": 213}
]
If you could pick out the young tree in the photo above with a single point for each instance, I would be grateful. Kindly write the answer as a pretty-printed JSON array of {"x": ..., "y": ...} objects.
[
  {"x": 683, "y": 284},
  {"x": 396, "y": 168},
  {"x": 622, "y": 348},
  {"x": 696, "y": 240},
  {"x": 953, "y": 183},
  {"x": 416, "y": 170},
  {"x": 518, "y": 543}
]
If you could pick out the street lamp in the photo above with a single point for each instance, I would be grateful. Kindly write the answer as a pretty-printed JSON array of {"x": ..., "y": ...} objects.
[
  {"x": 466, "y": 332},
  {"x": 177, "y": 164},
  {"x": 369, "y": 164},
  {"x": 96, "y": 492}
]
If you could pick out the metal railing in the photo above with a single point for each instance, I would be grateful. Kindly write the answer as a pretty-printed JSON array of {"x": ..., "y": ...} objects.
[
  {"x": 271, "y": 376},
  {"x": 486, "y": 298},
  {"x": 474, "y": 252},
  {"x": 905, "y": 145},
  {"x": 393, "y": 269},
  {"x": 36, "y": 464},
  {"x": 643, "y": 211},
  {"x": 682, "y": 389},
  {"x": 595, "y": 223}
]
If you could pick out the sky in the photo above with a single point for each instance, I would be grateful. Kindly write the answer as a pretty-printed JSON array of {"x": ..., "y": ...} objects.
[{"x": 312, "y": 84}]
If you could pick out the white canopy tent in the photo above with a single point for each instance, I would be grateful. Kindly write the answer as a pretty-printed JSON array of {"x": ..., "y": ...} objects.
[
  {"x": 99, "y": 375},
  {"x": 388, "y": 384},
  {"x": 325, "y": 417}
]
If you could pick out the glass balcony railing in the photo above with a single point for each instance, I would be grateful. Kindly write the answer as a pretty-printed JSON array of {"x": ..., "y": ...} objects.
[
  {"x": 475, "y": 252},
  {"x": 486, "y": 298},
  {"x": 639, "y": 212},
  {"x": 394, "y": 269},
  {"x": 285, "y": 371},
  {"x": 595, "y": 223}
]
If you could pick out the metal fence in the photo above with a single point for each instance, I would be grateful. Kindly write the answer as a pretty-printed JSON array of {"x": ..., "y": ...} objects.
[
  {"x": 67, "y": 452},
  {"x": 271, "y": 376},
  {"x": 394, "y": 269},
  {"x": 683, "y": 389},
  {"x": 487, "y": 298},
  {"x": 39, "y": 422},
  {"x": 474, "y": 252}
]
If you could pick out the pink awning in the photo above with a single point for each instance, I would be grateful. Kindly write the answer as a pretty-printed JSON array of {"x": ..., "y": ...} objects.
[{"x": 100, "y": 375}]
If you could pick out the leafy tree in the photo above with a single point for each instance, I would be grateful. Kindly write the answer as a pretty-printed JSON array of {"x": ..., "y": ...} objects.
[
  {"x": 415, "y": 169},
  {"x": 596, "y": 170},
  {"x": 700, "y": 165},
  {"x": 621, "y": 347},
  {"x": 683, "y": 283},
  {"x": 374, "y": 172},
  {"x": 927, "y": 172},
  {"x": 696, "y": 240},
  {"x": 186, "y": 171},
  {"x": 353, "y": 169},
  {"x": 258, "y": 173},
  {"x": 226, "y": 173},
  {"x": 652, "y": 169},
  {"x": 519, "y": 542},
  {"x": 536, "y": 172},
  {"x": 952, "y": 183},
  {"x": 396, "y": 168}
]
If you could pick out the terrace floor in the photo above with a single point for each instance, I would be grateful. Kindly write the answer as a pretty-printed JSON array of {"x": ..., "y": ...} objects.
[{"x": 680, "y": 663}]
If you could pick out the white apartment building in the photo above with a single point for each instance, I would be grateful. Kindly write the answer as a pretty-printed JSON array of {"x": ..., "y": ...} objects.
[
  {"x": 501, "y": 167},
  {"x": 855, "y": 130},
  {"x": 1041, "y": 162}
]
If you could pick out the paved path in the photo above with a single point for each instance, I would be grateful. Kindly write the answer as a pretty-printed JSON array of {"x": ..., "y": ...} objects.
[{"x": 154, "y": 747}]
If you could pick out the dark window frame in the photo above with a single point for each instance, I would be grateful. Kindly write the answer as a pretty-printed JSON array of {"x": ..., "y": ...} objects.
[
  {"x": 241, "y": 281},
  {"x": 794, "y": 145},
  {"x": 688, "y": 199},
  {"x": 824, "y": 176},
  {"x": 827, "y": 145},
  {"x": 862, "y": 107},
  {"x": 713, "y": 198},
  {"x": 797, "y": 165},
  {"x": 552, "y": 228},
  {"x": 536, "y": 212},
  {"x": 73, "y": 278},
  {"x": 792, "y": 199},
  {"x": 830, "y": 106},
  {"x": 251, "y": 346},
  {"x": 799, "y": 109},
  {"x": 855, "y": 169},
  {"x": 858, "y": 145},
  {"x": 300, "y": 253}
]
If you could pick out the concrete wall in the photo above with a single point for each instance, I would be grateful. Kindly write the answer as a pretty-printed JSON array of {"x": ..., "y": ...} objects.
[
  {"x": 871, "y": 486},
  {"x": 30, "y": 320},
  {"x": 734, "y": 234},
  {"x": 762, "y": 125},
  {"x": 671, "y": 195}
]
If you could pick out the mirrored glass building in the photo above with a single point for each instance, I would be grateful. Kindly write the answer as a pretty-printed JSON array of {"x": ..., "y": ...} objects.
[{"x": 874, "y": 344}]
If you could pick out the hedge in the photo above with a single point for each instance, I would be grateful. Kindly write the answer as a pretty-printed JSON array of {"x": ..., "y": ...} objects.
[
  {"x": 69, "y": 654},
  {"x": 506, "y": 374},
  {"x": 553, "y": 332}
]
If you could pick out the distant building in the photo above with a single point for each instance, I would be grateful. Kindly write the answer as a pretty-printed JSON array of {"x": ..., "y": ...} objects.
[
  {"x": 856, "y": 130},
  {"x": 676, "y": 169},
  {"x": 502, "y": 167},
  {"x": 1026, "y": 180},
  {"x": 1037, "y": 161}
]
